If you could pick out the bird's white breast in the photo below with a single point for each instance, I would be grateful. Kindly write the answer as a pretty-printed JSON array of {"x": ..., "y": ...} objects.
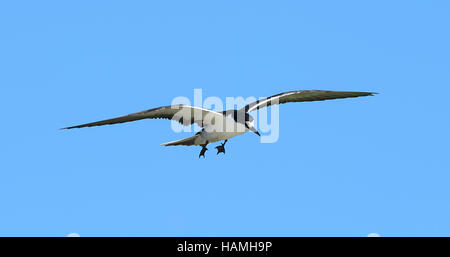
[{"x": 223, "y": 130}]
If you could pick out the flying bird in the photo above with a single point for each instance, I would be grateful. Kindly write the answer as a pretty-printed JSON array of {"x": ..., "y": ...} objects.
[{"x": 218, "y": 126}]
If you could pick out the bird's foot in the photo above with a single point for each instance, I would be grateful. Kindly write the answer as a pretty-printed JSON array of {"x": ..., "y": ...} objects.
[
  {"x": 221, "y": 148},
  {"x": 203, "y": 151}
]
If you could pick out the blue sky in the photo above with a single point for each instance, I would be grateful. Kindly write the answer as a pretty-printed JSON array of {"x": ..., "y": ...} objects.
[{"x": 340, "y": 168}]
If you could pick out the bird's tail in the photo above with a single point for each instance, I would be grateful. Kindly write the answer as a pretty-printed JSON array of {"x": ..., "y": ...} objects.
[{"x": 186, "y": 141}]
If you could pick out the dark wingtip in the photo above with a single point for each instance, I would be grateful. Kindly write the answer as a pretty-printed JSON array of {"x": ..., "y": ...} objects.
[
  {"x": 367, "y": 94},
  {"x": 67, "y": 128}
]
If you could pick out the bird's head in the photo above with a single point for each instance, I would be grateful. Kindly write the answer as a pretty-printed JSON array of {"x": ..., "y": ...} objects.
[{"x": 244, "y": 118}]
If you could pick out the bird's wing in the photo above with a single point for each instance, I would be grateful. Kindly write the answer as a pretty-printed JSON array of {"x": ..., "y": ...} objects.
[
  {"x": 185, "y": 114},
  {"x": 185, "y": 141},
  {"x": 302, "y": 96}
]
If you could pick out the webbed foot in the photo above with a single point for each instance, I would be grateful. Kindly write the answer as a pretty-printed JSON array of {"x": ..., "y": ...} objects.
[
  {"x": 203, "y": 151},
  {"x": 221, "y": 148}
]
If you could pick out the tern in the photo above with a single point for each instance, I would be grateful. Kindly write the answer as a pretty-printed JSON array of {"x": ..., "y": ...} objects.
[{"x": 218, "y": 126}]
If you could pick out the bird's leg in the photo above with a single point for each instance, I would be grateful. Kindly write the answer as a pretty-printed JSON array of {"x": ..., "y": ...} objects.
[
  {"x": 204, "y": 149},
  {"x": 221, "y": 148}
]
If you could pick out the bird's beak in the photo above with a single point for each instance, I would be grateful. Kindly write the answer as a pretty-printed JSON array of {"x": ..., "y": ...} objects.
[{"x": 252, "y": 129}]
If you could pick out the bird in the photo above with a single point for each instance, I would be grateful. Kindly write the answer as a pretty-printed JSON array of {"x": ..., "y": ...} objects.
[{"x": 216, "y": 125}]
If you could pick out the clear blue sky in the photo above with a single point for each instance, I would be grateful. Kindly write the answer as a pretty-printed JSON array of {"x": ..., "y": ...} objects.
[{"x": 340, "y": 168}]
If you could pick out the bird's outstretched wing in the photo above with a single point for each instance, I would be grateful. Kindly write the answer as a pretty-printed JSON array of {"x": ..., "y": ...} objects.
[
  {"x": 302, "y": 96},
  {"x": 185, "y": 114}
]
